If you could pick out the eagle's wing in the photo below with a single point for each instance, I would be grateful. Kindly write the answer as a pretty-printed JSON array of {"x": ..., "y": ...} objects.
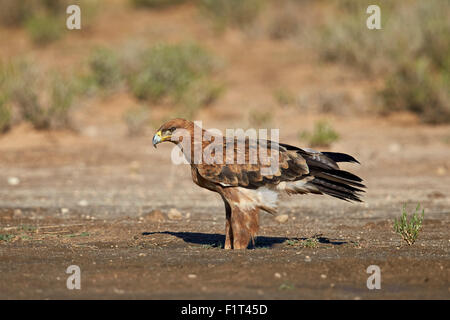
[
  {"x": 250, "y": 174},
  {"x": 298, "y": 171}
]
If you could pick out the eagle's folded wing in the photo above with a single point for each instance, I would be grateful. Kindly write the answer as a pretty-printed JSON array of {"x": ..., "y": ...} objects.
[{"x": 298, "y": 171}]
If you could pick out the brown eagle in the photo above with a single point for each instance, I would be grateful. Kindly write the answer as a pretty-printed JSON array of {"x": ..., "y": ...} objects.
[{"x": 244, "y": 186}]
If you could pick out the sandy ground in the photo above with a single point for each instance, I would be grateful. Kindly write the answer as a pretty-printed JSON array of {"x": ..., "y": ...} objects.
[{"x": 89, "y": 202}]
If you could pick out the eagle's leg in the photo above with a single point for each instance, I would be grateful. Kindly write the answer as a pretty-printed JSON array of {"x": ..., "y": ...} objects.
[
  {"x": 228, "y": 230},
  {"x": 244, "y": 226}
]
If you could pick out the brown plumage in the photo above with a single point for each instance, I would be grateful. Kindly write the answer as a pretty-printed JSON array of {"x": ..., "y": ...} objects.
[{"x": 244, "y": 187}]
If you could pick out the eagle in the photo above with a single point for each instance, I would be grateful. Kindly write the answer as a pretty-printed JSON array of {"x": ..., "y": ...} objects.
[{"x": 248, "y": 186}]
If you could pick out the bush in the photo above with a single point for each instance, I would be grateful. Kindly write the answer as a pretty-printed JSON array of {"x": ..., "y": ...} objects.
[
  {"x": 180, "y": 74},
  {"x": 410, "y": 53},
  {"x": 105, "y": 68},
  {"x": 409, "y": 229},
  {"x": 235, "y": 13},
  {"x": 323, "y": 135},
  {"x": 44, "y": 102},
  {"x": 414, "y": 87},
  {"x": 155, "y": 3},
  {"x": 44, "y": 29}
]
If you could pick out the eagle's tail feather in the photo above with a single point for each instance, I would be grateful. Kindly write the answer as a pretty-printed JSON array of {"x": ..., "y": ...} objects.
[
  {"x": 340, "y": 176},
  {"x": 338, "y": 187},
  {"x": 340, "y": 157}
]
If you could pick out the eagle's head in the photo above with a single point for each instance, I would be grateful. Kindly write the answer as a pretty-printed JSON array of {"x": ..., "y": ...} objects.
[{"x": 167, "y": 130}]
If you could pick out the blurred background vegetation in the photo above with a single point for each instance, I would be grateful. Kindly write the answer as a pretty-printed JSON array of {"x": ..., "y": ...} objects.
[{"x": 251, "y": 59}]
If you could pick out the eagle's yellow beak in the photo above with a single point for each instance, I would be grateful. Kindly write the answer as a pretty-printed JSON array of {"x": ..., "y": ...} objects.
[{"x": 157, "y": 138}]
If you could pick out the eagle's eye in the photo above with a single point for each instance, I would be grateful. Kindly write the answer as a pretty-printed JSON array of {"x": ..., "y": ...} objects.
[{"x": 168, "y": 132}]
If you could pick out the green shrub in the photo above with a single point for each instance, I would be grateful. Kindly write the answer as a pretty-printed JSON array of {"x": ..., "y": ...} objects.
[
  {"x": 179, "y": 74},
  {"x": 62, "y": 95},
  {"x": 410, "y": 53},
  {"x": 155, "y": 3},
  {"x": 416, "y": 88},
  {"x": 105, "y": 68},
  {"x": 234, "y": 13},
  {"x": 44, "y": 101},
  {"x": 323, "y": 135},
  {"x": 409, "y": 229},
  {"x": 44, "y": 28}
]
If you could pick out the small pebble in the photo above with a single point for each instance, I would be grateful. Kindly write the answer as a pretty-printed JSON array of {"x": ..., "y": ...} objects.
[
  {"x": 174, "y": 214},
  {"x": 282, "y": 218},
  {"x": 83, "y": 203},
  {"x": 119, "y": 291},
  {"x": 13, "y": 181}
]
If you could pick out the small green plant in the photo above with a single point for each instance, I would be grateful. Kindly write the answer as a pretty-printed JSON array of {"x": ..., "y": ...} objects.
[
  {"x": 44, "y": 29},
  {"x": 286, "y": 286},
  {"x": 323, "y": 135},
  {"x": 7, "y": 237},
  {"x": 409, "y": 229},
  {"x": 27, "y": 228},
  {"x": 73, "y": 235},
  {"x": 306, "y": 243},
  {"x": 212, "y": 245},
  {"x": 311, "y": 243}
]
